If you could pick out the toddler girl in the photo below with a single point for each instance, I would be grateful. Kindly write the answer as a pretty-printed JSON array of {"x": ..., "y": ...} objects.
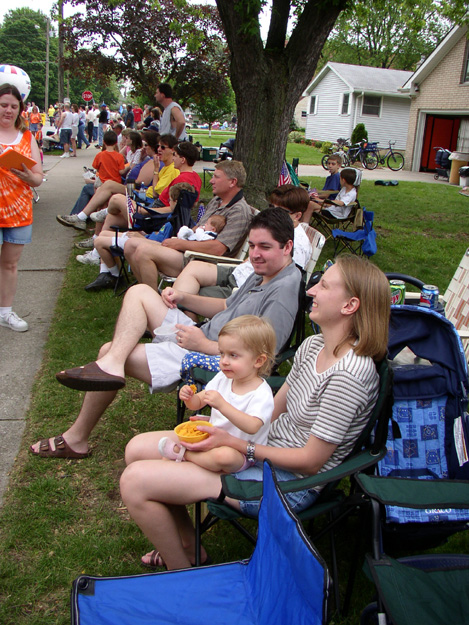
[{"x": 240, "y": 399}]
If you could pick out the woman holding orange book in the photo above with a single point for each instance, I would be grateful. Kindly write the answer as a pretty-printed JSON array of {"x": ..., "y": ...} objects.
[{"x": 16, "y": 200}]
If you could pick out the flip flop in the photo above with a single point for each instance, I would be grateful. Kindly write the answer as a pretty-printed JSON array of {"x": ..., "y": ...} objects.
[
  {"x": 156, "y": 561},
  {"x": 62, "y": 450},
  {"x": 166, "y": 448},
  {"x": 90, "y": 377}
]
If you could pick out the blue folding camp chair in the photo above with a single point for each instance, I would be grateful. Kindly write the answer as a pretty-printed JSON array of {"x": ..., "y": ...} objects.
[
  {"x": 284, "y": 582},
  {"x": 361, "y": 242}
]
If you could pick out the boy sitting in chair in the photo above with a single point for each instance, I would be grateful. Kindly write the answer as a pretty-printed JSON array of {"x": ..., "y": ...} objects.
[{"x": 340, "y": 208}]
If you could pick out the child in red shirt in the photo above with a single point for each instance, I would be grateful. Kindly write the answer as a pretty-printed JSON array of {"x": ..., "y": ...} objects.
[{"x": 109, "y": 164}]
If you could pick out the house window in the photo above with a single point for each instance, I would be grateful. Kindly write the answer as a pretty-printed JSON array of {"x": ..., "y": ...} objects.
[
  {"x": 371, "y": 105},
  {"x": 345, "y": 103},
  {"x": 304, "y": 113},
  {"x": 313, "y": 105},
  {"x": 465, "y": 67}
]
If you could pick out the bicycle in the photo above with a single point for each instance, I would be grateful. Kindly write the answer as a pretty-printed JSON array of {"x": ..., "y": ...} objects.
[
  {"x": 365, "y": 153},
  {"x": 340, "y": 149},
  {"x": 394, "y": 160}
]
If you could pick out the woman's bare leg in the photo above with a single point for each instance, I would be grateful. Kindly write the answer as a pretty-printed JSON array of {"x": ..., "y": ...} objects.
[
  {"x": 156, "y": 493},
  {"x": 9, "y": 256}
]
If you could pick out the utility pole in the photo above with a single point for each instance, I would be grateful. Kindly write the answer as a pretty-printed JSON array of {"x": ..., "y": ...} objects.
[
  {"x": 61, "y": 52},
  {"x": 46, "y": 92}
]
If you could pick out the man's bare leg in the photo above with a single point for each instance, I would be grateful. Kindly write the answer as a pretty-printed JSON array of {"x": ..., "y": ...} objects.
[
  {"x": 196, "y": 275},
  {"x": 147, "y": 257},
  {"x": 142, "y": 307},
  {"x": 102, "y": 196}
]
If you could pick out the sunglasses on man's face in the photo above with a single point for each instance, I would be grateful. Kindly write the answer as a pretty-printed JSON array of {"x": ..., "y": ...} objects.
[{"x": 163, "y": 147}]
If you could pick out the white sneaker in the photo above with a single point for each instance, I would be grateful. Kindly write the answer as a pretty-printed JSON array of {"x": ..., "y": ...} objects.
[
  {"x": 65, "y": 155},
  {"x": 99, "y": 216},
  {"x": 89, "y": 258},
  {"x": 12, "y": 321}
]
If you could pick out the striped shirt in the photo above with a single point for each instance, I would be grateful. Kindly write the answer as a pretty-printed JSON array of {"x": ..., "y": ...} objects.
[{"x": 333, "y": 406}]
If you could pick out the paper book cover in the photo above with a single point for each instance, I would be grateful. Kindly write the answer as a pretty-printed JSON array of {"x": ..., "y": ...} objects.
[{"x": 11, "y": 159}]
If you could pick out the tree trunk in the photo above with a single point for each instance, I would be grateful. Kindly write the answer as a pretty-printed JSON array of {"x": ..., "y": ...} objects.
[{"x": 269, "y": 80}]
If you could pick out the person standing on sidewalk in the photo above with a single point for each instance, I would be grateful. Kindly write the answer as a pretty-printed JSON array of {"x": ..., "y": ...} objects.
[
  {"x": 81, "y": 128},
  {"x": 16, "y": 200},
  {"x": 103, "y": 121},
  {"x": 65, "y": 127}
]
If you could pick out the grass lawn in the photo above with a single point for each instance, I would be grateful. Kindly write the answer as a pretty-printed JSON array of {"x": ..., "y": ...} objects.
[
  {"x": 64, "y": 518},
  {"x": 306, "y": 153}
]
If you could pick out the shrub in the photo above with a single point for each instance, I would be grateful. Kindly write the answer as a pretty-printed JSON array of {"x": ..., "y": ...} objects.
[
  {"x": 359, "y": 133},
  {"x": 318, "y": 144},
  {"x": 308, "y": 142},
  {"x": 294, "y": 125},
  {"x": 295, "y": 137},
  {"x": 326, "y": 146}
]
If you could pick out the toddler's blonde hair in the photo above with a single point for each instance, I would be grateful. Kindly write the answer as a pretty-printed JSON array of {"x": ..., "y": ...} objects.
[{"x": 257, "y": 335}]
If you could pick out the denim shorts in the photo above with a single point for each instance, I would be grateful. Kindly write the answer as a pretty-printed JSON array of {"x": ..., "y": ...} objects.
[
  {"x": 298, "y": 501},
  {"x": 65, "y": 135},
  {"x": 20, "y": 235}
]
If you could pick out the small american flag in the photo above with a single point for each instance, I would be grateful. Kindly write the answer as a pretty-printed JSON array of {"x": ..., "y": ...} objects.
[
  {"x": 284, "y": 177},
  {"x": 200, "y": 212},
  {"x": 130, "y": 212}
]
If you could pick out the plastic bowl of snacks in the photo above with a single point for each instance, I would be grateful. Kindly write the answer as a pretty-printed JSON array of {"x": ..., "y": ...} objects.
[{"x": 188, "y": 432}]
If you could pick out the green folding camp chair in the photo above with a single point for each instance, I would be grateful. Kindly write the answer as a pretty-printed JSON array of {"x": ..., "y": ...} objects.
[{"x": 368, "y": 450}]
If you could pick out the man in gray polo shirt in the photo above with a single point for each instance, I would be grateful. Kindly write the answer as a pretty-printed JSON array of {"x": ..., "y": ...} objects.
[
  {"x": 147, "y": 257},
  {"x": 273, "y": 292}
]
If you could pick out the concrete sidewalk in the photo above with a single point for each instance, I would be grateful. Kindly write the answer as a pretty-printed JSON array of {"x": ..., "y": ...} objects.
[{"x": 39, "y": 282}]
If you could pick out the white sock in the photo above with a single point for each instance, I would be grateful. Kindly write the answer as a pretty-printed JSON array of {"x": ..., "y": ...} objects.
[
  {"x": 82, "y": 216},
  {"x": 114, "y": 271},
  {"x": 103, "y": 268},
  {"x": 4, "y": 310},
  {"x": 94, "y": 253}
]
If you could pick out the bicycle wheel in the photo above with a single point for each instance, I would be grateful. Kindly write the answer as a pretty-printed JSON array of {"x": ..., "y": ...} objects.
[
  {"x": 324, "y": 160},
  {"x": 345, "y": 160},
  {"x": 370, "y": 160},
  {"x": 395, "y": 161}
]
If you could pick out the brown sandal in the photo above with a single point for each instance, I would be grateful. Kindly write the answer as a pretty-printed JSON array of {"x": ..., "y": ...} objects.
[
  {"x": 62, "y": 450},
  {"x": 90, "y": 377}
]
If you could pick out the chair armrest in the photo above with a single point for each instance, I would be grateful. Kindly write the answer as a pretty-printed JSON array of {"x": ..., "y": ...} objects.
[
  {"x": 210, "y": 258},
  {"x": 414, "y": 493},
  {"x": 251, "y": 490}
]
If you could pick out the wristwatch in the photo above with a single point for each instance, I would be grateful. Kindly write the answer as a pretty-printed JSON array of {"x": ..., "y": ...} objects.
[{"x": 251, "y": 452}]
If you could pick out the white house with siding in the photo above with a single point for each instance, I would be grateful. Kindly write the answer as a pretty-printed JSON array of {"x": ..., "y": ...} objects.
[{"x": 342, "y": 96}]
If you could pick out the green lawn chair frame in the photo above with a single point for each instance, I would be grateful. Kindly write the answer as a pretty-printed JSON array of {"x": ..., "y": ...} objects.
[{"x": 332, "y": 501}]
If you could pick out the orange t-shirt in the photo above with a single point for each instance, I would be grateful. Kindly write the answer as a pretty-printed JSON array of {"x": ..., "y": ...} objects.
[
  {"x": 16, "y": 197},
  {"x": 35, "y": 118},
  {"x": 108, "y": 165}
]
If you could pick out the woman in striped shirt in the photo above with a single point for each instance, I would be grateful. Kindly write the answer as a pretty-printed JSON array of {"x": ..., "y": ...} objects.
[{"x": 318, "y": 415}]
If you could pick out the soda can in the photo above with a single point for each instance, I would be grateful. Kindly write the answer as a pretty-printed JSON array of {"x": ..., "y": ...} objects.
[
  {"x": 429, "y": 296},
  {"x": 397, "y": 292}
]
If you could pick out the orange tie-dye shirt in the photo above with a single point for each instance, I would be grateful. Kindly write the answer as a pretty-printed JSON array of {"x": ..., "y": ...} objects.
[{"x": 16, "y": 197}]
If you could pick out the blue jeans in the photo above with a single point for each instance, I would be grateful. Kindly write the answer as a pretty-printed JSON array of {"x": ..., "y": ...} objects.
[
  {"x": 95, "y": 133},
  {"x": 85, "y": 196},
  {"x": 81, "y": 137},
  {"x": 101, "y": 133},
  {"x": 19, "y": 236},
  {"x": 298, "y": 500}
]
